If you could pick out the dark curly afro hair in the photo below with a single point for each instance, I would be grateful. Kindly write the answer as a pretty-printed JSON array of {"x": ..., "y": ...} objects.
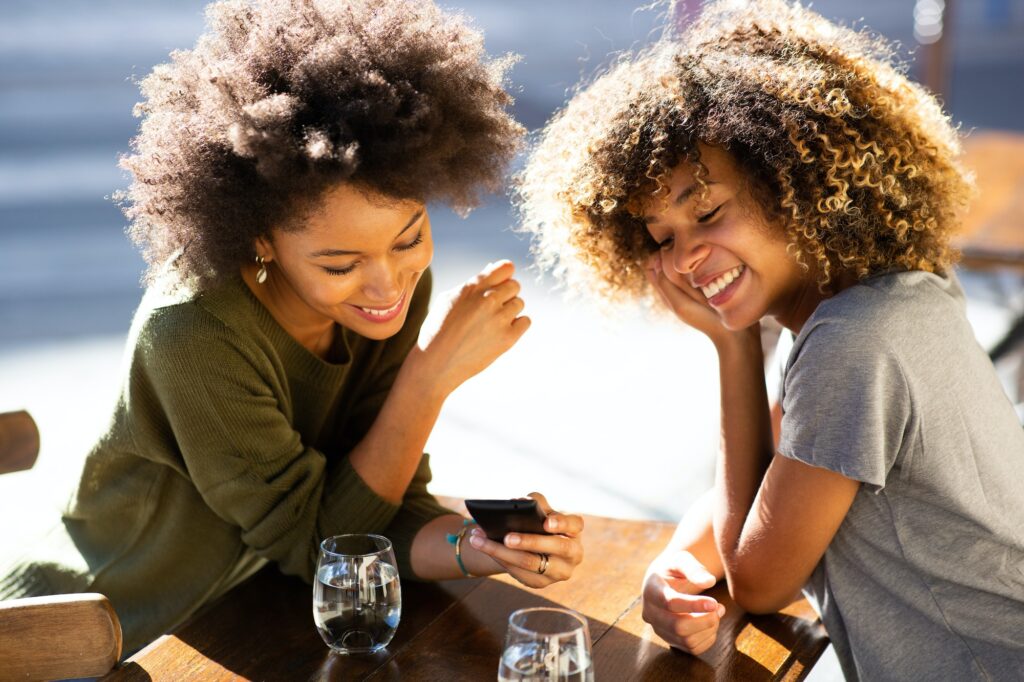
[
  {"x": 281, "y": 99},
  {"x": 857, "y": 165}
]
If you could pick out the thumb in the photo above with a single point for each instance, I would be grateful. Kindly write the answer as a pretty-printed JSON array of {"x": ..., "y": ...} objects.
[
  {"x": 685, "y": 603},
  {"x": 686, "y": 566},
  {"x": 679, "y": 298}
]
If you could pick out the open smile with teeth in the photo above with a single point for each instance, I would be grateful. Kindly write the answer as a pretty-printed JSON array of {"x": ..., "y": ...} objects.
[
  {"x": 712, "y": 288},
  {"x": 382, "y": 312}
]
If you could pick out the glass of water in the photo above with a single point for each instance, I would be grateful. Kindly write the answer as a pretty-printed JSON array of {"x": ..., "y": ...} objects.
[
  {"x": 357, "y": 599},
  {"x": 546, "y": 644}
]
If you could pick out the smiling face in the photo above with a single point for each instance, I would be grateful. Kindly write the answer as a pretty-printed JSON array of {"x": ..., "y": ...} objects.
[
  {"x": 356, "y": 262},
  {"x": 725, "y": 249}
]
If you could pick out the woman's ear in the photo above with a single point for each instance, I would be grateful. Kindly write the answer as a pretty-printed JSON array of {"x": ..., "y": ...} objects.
[{"x": 264, "y": 248}]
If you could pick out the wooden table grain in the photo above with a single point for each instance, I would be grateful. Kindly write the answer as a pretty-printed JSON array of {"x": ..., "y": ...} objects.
[{"x": 263, "y": 629}]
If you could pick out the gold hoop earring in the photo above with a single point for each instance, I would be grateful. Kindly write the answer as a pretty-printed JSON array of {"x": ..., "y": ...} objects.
[{"x": 261, "y": 274}]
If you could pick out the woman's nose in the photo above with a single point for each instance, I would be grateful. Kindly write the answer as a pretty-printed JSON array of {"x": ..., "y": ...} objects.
[
  {"x": 686, "y": 257},
  {"x": 381, "y": 285}
]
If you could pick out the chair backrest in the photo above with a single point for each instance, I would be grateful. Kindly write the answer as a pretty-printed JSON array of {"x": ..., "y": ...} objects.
[
  {"x": 54, "y": 638},
  {"x": 19, "y": 441},
  {"x": 60, "y": 636}
]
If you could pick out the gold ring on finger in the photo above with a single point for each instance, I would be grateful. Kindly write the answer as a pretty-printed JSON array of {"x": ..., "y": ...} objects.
[{"x": 543, "y": 564}]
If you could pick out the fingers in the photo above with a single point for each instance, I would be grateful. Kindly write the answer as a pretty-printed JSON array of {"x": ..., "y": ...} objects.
[
  {"x": 519, "y": 327},
  {"x": 678, "y": 297},
  {"x": 505, "y": 291},
  {"x": 704, "y": 644},
  {"x": 496, "y": 286},
  {"x": 563, "y": 524},
  {"x": 558, "y": 568},
  {"x": 662, "y": 594},
  {"x": 694, "y": 576},
  {"x": 693, "y": 630},
  {"x": 686, "y": 621},
  {"x": 672, "y": 293},
  {"x": 496, "y": 273},
  {"x": 542, "y": 502},
  {"x": 686, "y": 603},
  {"x": 570, "y": 549},
  {"x": 690, "y": 632},
  {"x": 512, "y": 309}
]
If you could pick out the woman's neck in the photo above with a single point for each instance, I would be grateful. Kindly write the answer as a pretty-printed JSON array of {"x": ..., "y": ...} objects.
[
  {"x": 311, "y": 329},
  {"x": 809, "y": 297}
]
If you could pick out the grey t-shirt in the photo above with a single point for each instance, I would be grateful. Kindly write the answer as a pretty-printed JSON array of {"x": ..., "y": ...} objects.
[{"x": 925, "y": 578}]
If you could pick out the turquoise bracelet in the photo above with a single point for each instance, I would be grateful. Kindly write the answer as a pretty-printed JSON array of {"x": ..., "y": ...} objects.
[{"x": 455, "y": 539}]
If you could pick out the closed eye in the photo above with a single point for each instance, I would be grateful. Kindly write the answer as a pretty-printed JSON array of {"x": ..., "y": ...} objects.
[
  {"x": 340, "y": 271},
  {"x": 411, "y": 245},
  {"x": 709, "y": 215}
]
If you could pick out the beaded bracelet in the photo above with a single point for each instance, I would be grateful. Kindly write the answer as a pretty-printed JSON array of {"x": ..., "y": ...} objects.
[{"x": 456, "y": 540}]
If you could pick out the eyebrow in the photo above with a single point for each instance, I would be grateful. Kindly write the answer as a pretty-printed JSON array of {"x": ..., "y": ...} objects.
[
  {"x": 683, "y": 196},
  {"x": 340, "y": 252}
]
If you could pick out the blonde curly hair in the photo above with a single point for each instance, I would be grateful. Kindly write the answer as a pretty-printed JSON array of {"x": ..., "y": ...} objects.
[{"x": 858, "y": 165}]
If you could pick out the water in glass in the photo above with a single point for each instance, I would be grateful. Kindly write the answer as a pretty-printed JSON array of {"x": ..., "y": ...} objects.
[
  {"x": 533, "y": 662},
  {"x": 357, "y": 601},
  {"x": 546, "y": 644}
]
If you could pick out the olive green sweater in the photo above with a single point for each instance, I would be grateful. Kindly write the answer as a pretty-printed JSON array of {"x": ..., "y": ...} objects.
[{"x": 228, "y": 446}]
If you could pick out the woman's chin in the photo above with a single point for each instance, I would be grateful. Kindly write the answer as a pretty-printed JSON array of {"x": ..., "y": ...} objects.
[{"x": 738, "y": 322}]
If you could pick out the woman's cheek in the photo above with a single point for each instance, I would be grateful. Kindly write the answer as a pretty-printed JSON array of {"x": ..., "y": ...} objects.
[{"x": 423, "y": 256}]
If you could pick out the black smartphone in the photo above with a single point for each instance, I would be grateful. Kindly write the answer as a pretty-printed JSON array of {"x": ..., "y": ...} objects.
[{"x": 500, "y": 517}]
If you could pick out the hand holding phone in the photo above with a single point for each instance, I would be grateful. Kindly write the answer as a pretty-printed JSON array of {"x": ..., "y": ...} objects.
[{"x": 498, "y": 518}]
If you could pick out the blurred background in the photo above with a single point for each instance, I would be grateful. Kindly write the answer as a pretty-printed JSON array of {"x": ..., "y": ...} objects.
[
  {"x": 587, "y": 408},
  {"x": 613, "y": 415}
]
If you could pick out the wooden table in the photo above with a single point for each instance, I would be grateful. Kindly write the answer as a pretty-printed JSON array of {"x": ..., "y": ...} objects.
[
  {"x": 992, "y": 234},
  {"x": 263, "y": 629}
]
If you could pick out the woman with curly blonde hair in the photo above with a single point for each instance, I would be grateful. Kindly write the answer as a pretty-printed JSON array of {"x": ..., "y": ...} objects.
[
  {"x": 767, "y": 163},
  {"x": 275, "y": 392}
]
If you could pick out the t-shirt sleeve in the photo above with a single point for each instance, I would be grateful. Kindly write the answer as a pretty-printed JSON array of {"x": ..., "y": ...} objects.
[{"x": 846, "y": 404}]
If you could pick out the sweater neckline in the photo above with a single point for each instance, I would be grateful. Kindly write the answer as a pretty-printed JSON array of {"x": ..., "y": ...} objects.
[{"x": 291, "y": 350}]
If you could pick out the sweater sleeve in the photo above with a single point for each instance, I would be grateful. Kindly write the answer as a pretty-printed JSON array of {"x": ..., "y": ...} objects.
[
  {"x": 419, "y": 508},
  {"x": 208, "y": 391}
]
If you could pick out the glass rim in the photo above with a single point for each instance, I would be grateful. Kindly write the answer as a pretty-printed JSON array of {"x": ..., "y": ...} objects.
[
  {"x": 388, "y": 547},
  {"x": 578, "y": 617}
]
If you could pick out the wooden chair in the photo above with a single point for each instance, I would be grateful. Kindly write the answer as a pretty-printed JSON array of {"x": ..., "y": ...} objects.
[
  {"x": 19, "y": 441},
  {"x": 56, "y": 637}
]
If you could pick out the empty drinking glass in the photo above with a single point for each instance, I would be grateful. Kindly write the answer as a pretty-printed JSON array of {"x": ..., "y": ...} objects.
[
  {"x": 546, "y": 644},
  {"x": 357, "y": 599}
]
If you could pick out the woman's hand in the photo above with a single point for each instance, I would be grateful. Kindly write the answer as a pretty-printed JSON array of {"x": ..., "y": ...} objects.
[
  {"x": 688, "y": 304},
  {"x": 523, "y": 554},
  {"x": 674, "y": 606},
  {"x": 482, "y": 322}
]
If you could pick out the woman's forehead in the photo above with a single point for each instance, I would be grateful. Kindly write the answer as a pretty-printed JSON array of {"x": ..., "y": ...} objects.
[{"x": 352, "y": 219}]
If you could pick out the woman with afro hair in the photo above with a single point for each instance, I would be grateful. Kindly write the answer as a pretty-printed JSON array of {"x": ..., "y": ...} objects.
[
  {"x": 767, "y": 163},
  {"x": 275, "y": 391}
]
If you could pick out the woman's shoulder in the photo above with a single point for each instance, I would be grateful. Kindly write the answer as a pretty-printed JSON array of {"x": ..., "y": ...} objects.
[
  {"x": 175, "y": 316},
  {"x": 890, "y": 301}
]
